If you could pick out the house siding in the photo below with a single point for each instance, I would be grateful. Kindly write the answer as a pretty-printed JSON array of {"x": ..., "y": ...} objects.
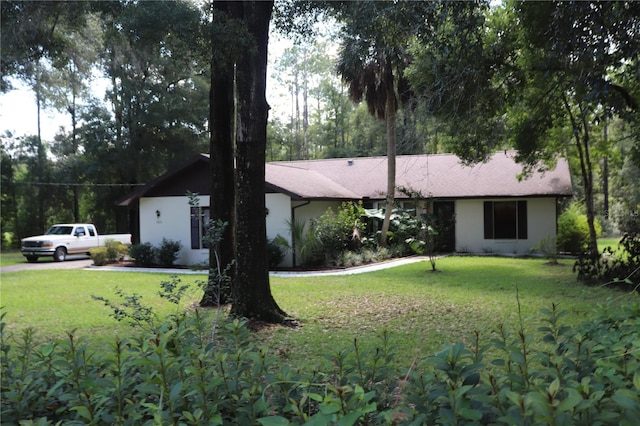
[
  {"x": 279, "y": 206},
  {"x": 173, "y": 224},
  {"x": 470, "y": 237}
]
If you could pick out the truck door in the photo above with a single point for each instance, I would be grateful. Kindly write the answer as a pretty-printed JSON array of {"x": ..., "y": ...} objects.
[{"x": 81, "y": 240}]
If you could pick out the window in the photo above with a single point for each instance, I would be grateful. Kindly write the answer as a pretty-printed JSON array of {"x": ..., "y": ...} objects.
[
  {"x": 199, "y": 225},
  {"x": 505, "y": 220}
]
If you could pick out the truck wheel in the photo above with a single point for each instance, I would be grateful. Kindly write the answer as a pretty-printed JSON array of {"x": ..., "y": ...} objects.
[
  {"x": 60, "y": 254},
  {"x": 32, "y": 259}
]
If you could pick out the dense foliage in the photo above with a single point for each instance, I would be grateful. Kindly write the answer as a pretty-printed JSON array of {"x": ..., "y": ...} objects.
[
  {"x": 617, "y": 266},
  {"x": 156, "y": 56},
  {"x": 146, "y": 254},
  {"x": 186, "y": 371},
  {"x": 573, "y": 230},
  {"x": 112, "y": 252},
  {"x": 338, "y": 231}
]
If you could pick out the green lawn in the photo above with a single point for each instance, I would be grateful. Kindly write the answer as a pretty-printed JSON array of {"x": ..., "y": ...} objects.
[
  {"x": 420, "y": 310},
  {"x": 11, "y": 257},
  {"x": 608, "y": 242}
]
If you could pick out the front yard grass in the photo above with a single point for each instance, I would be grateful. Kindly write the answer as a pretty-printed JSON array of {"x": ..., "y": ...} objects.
[
  {"x": 420, "y": 310},
  {"x": 11, "y": 257}
]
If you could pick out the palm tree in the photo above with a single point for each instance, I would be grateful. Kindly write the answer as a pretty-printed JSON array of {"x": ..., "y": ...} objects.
[{"x": 373, "y": 69}]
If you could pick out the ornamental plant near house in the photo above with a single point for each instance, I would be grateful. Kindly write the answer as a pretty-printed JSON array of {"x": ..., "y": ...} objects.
[
  {"x": 168, "y": 251},
  {"x": 143, "y": 254},
  {"x": 339, "y": 231}
]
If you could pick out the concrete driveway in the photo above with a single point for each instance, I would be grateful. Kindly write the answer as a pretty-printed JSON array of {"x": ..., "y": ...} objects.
[{"x": 72, "y": 262}]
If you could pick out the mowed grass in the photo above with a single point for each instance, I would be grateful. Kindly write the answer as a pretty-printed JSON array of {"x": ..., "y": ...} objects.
[
  {"x": 609, "y": 242},
  {"x": 55, "y": 302},
  {"x": 419, "y": 310},
  {"x": 422, "y": 311},
  {"x": 11, "y": 257}
]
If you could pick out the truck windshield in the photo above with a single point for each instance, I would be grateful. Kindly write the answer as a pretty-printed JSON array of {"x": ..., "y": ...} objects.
[{"x": 60, "y": 230}]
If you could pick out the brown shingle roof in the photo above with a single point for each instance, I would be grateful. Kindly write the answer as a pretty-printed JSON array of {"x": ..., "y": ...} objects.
[{"x": 440, "y": 176}]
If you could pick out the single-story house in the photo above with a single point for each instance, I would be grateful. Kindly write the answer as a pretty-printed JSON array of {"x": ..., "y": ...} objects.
[{"x": 494, "y": 210}]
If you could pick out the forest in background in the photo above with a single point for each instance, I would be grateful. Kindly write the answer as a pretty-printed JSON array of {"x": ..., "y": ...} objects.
[{"x": 462, "y": 85}]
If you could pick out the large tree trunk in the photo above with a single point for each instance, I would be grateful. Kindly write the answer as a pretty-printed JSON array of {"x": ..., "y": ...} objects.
[
  {"x": 222, "y": 186},
  {"x": 252, "y": 296},
  {"x": 390, "y": 117}
]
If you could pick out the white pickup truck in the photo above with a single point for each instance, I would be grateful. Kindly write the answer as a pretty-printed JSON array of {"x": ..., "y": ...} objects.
[{"x": 67, "y": 238}]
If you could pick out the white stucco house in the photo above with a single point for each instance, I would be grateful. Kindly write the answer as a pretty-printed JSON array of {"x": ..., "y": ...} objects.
[{"x": 494, "y": 211}]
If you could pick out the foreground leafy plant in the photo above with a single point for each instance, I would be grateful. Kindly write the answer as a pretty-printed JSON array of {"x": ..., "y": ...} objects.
[{"x": 175, "y": 374}]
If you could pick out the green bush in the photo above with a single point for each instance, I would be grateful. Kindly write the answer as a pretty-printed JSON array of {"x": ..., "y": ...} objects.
[
  {"x": 99, "y": 256},
  {"x": 182, "y": 373},
  {"x": 334, "y": 231},
  {"x": 143, "y": 254},
  {"x": 573, "y": 230},
  {"x": 9, "y": 240},
  {"x": 620, "y": 268},
  {"x": 275, "y": 252},
  {"x": 168, "y": 251},
  {"x": 112, "y": 252}
]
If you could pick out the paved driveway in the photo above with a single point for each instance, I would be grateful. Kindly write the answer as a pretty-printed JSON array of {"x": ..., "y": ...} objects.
[{"x": 72, "y": 262}]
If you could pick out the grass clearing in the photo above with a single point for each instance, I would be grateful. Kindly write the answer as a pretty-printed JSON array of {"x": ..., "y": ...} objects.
[
  {"x": 420, "y": 310},
  {"x": 11, "y": 257},
  {"x": 54, "y": 302},
  {"x": 608, "y": 242}
]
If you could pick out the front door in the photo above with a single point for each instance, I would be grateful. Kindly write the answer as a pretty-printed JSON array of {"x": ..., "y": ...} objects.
[{"x": 445, "y": 214}]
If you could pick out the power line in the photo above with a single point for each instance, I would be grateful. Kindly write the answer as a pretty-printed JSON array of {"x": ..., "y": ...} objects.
[{"x": 73, "y": 184}]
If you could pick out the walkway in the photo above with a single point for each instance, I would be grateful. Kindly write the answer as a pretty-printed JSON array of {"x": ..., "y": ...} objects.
[{"x": 287, "y": 274}]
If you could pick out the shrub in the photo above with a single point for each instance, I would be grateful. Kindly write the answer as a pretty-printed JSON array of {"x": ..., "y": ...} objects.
[
  {"x": 573, "y": 230},
  {"x": 179, "y": 374},
  {"x": 112, "y": 252},
  {"x": 8, "y": 240},
  {"x": 115, "y": 250},
  {"x": 275, "y": 252},
  {"x": 405, "y": 232},
  {"x": 168, "y": 251},
  {"x": 335, "y": 231},
  {"x": 143, "y": 254},
  {"x": 99, "y": 256},
  {"x": 615, "y": 267}
]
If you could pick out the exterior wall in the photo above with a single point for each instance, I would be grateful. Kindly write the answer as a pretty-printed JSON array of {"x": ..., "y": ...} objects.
[
  {"x": 279, "y": 206},
  {"x": 280, "y": 211},
  {"x": 314, "y": 209},
  {"x": 173, "y": 224},
  {"x": 541, "y": 223}
]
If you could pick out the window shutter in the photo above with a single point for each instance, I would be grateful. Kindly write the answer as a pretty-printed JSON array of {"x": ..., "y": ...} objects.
[
  {"x": 195, "y": 228},
  {"x": 488, "y": 220},
  {"x": 522, "y": 220}
]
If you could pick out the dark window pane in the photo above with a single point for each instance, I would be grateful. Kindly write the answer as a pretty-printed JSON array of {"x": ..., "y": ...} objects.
[
  {"x": 522, "y": 220},
  {"x": 195, "y": 228},
  {"x": 504, "y": 219},
  {"x": 206, "y": 216},
  {"x": 488, "y": 220}
]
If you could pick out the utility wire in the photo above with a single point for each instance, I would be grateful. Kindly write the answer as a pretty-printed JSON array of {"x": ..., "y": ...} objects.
[{"x": 73, "y": 184}]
